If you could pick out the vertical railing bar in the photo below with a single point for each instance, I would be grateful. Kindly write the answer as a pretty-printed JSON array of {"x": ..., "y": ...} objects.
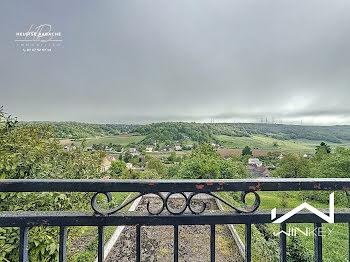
[
  {"x": 349, "y": 240},
  {"x": 248, "y": 242},
  {"x": 212, "y": 243},
  {"x": 176, "y": 243},
  {"x": 100, "y": 255},
  {"x": 23, "y": 244},
  {"x": 138, "y": 243},
  {"x": 318, "y": 243},
  {"x": 283, "y": 243},
  {"x": 63, "y": 244}
]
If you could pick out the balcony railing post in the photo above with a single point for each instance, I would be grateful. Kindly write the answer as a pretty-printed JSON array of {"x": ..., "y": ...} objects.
[
  {"x": 63, "y": 244},
  {"x": 318, "y": 243},
  {"x": 212, "y": 243},
  {"x": 23, "y": 244},
  {"x": 100, "y": 244},
  {"x": 283, "y": 243},
  {"x": 248, "y": 242},
  {"x": 176, "y": 243},
  {"x": 138, "y": 243}
]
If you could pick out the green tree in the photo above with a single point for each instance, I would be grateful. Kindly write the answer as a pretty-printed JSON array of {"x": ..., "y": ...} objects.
[
  {"x": 336, "y": 165},
  {"x": 149, "y": 174},
  {"x": 323, "y": 148},
  {"x": 205, "y": 163},
  {"x": 173, "y": 171},
  {"x": 200, "y": 166},
  {"x": 172, "y": 157},
  {"x": 134, "y": 160},
  {"x": 246, "y": 151},
  {"x": 232, "y": 169},
  {"x": 117, "y": 168},
  {"x": 292, "y": 166},
  {"x": 127, "y": 157},
  {"x": 206, "y": 150},
  {"x": 155, "y": 165},
  {"x": 130, "y": 174}
]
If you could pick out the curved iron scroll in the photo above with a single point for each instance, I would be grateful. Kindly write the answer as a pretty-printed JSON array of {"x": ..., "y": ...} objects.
[{"x": 188, "y": 199}]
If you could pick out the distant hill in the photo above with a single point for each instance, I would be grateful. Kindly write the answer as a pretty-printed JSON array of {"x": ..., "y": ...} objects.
[
  {"x": 76, "y": 130},
  {"x": 206, "y": 132},
  {"x": 335, "y": 134},
  {"x": 176, "y": 131},
  {"x": 199, "y": 132}
]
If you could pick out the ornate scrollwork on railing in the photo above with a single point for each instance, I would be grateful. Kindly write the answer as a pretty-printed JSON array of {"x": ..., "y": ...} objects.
[
  {"x": 188, "y": 199},
  {"x": 250, "y": 209},
  {"x": 100, "y": 211}
]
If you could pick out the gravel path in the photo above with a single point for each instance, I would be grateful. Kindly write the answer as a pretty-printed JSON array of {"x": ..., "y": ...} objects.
[{"x": 157, "y": 242}]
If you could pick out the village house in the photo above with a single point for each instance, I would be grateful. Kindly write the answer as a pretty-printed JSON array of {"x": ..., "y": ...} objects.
[
  {"x": 149, "y": 148},
  {"x": 108, "y": 149},
  {"x": 107, "y": 161},
  {"x": 90, "y": 148},
  {"x": 178, "y": 147},
  {"x": 308, "y": 155},
  {"x": 259, "y": 171},
  {"x": 165, "y": 149},
  {"x": 118, "y": 152},
  {"x": 106, "y": 165},
  {"x": 255, "y": 161},
  {"x": 281, "y": 156},
  {"x": 133, "y": 151},
  {"x": 121, "y": 150},
  {"x": 69, "y": 148}
]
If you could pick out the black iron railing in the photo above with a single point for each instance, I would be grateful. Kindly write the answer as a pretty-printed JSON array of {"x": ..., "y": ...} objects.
[{"x": 165, "y": 214}]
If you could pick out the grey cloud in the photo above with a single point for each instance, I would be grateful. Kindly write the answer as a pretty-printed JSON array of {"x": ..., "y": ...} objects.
[{"x": 145, "y": 61}]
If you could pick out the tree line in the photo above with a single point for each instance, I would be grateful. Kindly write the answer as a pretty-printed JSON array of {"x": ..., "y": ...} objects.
[{"x": 198, "y": 132}]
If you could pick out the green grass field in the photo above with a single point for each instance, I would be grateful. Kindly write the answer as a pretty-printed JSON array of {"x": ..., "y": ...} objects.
[
  {"x": 263, "y": 142},
  {"x": 117, "y": 140}
]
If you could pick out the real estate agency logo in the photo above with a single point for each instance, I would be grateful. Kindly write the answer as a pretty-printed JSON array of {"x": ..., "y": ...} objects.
[
  {"x": 316, "y": 231},
  {"x": 38, "y": 39}
]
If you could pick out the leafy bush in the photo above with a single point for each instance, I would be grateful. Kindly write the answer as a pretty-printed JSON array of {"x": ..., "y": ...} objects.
[
  {"x": 296, "y": 251},
  {"x": 117, "y": 168},
  {"x": 29, "y": 152}
]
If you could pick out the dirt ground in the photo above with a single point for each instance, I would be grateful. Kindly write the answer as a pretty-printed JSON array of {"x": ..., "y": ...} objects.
[{"x": 157, "y": 242}]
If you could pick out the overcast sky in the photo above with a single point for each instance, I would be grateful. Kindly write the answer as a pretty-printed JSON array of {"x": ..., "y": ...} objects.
[{"x": 170, "y": 60}]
